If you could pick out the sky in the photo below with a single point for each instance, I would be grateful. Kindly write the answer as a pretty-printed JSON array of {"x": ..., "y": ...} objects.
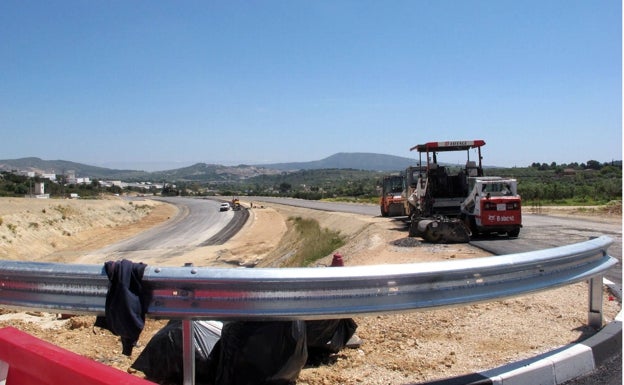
[{"x": 156, "y": 84}]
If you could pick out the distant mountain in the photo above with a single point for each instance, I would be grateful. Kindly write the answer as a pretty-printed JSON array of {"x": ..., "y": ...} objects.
[
  {"x": 202, "y": 172},
  {"x": 143, "y": 165},
  {"x": 352, "y": 160},
  {"x": 61, "y": 167}
]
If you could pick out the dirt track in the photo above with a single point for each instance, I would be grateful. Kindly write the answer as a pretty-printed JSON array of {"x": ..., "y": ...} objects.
[{"x": 397, "y": 349}]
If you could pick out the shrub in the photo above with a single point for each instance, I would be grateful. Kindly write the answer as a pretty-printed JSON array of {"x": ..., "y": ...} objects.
[{"x": 313, "y": 243}]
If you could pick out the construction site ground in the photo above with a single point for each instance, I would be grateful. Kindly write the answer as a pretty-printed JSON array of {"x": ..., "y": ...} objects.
[{"x": 404, "y": 348}]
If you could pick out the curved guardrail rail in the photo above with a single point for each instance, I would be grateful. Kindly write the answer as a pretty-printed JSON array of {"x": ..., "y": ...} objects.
[{"x": 310, "y": 293}]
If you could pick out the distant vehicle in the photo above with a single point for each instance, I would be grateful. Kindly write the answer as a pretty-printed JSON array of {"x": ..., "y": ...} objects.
[
  {"x": 224, "y": 206},
  {"x": 392, "y": 200}
]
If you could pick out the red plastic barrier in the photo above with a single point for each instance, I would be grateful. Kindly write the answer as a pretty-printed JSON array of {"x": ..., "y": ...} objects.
[{"x": 32, "y": 361}]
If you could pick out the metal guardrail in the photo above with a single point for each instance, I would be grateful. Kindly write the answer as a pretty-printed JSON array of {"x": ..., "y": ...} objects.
[
  {"x": 307, "y": 293},
  {"x": 192, "y": 293}
]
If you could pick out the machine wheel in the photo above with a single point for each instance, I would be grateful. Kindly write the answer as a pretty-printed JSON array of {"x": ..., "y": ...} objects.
[
  {"x": 513, "y": 233},
  {"x": 432, "y": 235}
]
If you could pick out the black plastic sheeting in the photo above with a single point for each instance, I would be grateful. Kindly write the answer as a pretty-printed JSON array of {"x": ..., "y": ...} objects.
[
  {"x": 162, "y": 361},
  {"x": 326, "y": 337},
  {"x": 243, "y": 353},
  {"x": 252, "y": 353}
]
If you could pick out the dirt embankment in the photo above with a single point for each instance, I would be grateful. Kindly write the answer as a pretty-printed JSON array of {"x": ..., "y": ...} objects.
[
  {"x": 60, "y": 230},
  {"x": 397, "y": 348}
]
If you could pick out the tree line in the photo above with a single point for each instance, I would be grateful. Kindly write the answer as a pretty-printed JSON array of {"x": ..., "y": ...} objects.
[
  {"x": 575, "y": 183},
  {"x": 586, "y": 183},
  {"x": 15, "y": 185}
]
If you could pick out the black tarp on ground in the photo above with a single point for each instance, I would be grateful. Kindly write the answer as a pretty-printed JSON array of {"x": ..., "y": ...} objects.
[
  {"x": 161, "y": 361},
  {"x": 244, "y": 353},
  {"x": 326, "y": 337},
  {"x": 260, "y": 353}
]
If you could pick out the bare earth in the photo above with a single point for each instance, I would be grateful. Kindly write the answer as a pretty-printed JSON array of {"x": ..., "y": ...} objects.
[{"x": 402, "y": 348}]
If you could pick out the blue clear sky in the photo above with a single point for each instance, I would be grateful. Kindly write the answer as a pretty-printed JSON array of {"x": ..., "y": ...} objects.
[{"x": 122, "y": 83}]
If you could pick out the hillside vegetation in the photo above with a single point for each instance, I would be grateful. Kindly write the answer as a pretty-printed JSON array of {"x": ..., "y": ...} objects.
[
  {"x": 590, "y": 183},
  {"x": 576, "y": 184},
  {"x": 203, "y": 172}
]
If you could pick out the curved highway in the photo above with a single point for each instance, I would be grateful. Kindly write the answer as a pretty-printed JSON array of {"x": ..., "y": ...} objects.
[
  {"x": 543, "y": 232},
  {"x": 198, "y": 223},
  {"x": 539, "y": 231}
]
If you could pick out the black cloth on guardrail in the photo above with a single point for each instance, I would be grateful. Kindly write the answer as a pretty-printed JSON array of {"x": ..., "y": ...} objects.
[{"x": 126, "y": 302}]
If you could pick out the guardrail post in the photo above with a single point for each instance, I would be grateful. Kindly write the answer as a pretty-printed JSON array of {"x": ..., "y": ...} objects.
[
  {"x": 188, "y": 352},
  {"x": 595, "y": 302},
  {"x": 4, "y": 372}
]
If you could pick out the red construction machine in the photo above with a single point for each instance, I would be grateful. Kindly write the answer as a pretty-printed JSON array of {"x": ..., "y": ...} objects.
[
  {"x": 448, "y": 204},
  {"x": 392, "y": 201}
]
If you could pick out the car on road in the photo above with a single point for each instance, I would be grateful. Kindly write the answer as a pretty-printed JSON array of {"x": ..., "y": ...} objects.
[{"x": 224, "y": 206}]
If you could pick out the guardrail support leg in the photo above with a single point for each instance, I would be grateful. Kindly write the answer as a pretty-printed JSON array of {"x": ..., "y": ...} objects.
[
  {"x": 188, "y": 352},
  {"x": 595, "y": 302},
  {"x": 4, "y": 372}
]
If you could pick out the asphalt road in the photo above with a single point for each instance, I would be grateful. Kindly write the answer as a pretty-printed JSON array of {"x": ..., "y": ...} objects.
[
  {"x": 538, "y": 232},
  {"x": 198, "y": 223},
  {"x": 543, "y": 232}
]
